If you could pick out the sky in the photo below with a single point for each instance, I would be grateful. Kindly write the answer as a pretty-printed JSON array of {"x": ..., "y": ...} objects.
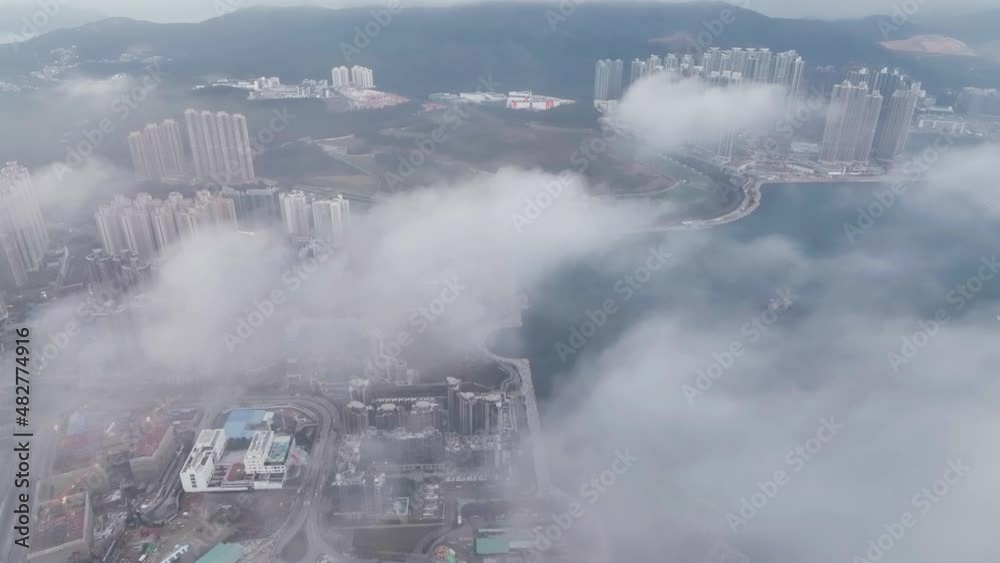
[{"x": 197, "y": 10}]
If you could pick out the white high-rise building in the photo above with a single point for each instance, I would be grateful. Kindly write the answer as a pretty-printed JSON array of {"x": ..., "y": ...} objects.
[
  {"x": 340, "y": 77},
  {"x": 331, "y": 218},
  {"x": 894, "y": 122},
  {"x": 220, "y": 147},
  {"x": 764, "y": 67},
  {"x": 157, "y": 152},
  {"x": 295, "y": 213},
  {"x": 636, "y": 72},
  {"x": 362, "y": 77},
  {"x": 138, "y": 231},
  {"x": 147, "y": 226},
  {"x": 851, "y": 120},
  {"x": 109, "y": 225},
  {"x": 617, "y": 74},
  {"x": 164, "y": 225},
  {"x": 23, "y": 237},
  {"x": 788, "y": 70},
  {"x": 200, "y": 464},
  {"x": 602, "y": 80}
]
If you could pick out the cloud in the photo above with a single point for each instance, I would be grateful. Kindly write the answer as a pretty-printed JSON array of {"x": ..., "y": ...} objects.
[
  {"x": 666, "y": 113},
  {"x": 824, "y": 360}
]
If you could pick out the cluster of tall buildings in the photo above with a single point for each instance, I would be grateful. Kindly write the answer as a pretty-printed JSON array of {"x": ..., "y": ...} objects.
[
  {"x": 462, "y": 412},
  {"x": 113, "y": 276},
  {"x": 869, "y": 114},
  {"x": 478, "y": 413},
  {"x": 308, "y": 217},
  {"x": 157, "y": 151},
  {"x": 145, "y": 226},
  {"x": 220, "y": 149},
  {"x": 23, "y": 237},
  {"x": 608, "y": 79},
  {"x": 785, "y": 69},
  {"x": 355, "y": 76}
]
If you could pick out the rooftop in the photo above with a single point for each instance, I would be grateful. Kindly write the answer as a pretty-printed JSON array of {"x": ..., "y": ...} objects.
[
  {"x": 60, "y": 521},
  {"x": 150, "y": 440},
  {"x": 221, "y": 553},
  {"x": 242, "y": 423},
  {"x": 279, "y": 450}
]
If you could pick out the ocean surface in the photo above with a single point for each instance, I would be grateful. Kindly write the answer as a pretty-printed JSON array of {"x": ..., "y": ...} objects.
[{"x": 937, "y": 249}]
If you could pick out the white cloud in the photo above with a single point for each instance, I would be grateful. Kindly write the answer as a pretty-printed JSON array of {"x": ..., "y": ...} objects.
[{"x": 666, "y": 113}]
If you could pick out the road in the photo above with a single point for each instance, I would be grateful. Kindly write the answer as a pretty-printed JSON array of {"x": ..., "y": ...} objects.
[{"x": 307, "y": 511}]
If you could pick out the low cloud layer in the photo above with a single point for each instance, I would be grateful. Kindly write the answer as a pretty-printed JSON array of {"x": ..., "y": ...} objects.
[
  {"x": 824, "y": 388},
  {"x": 666, "y": 113}
]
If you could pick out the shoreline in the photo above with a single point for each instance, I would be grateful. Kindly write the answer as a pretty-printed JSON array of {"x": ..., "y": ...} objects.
[{"x": 752, "y": 196}]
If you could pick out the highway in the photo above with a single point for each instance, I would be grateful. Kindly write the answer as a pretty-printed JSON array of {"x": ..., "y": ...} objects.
[{"x": 307, "y": 511}]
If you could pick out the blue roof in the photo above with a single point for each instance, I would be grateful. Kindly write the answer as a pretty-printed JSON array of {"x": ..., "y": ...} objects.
[{"x": 238, "y": 419}]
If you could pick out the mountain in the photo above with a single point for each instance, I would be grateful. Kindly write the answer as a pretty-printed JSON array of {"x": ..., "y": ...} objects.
[{"x": 422, "y": 50}]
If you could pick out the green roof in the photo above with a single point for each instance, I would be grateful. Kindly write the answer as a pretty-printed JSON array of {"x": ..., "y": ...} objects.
[
  {"x": 222, "y": 553},
  {"x": 491, "y": 546}
]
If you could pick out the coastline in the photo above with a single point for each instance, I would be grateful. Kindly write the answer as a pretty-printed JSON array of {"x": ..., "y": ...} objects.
[{"x": 752, "y": 196}]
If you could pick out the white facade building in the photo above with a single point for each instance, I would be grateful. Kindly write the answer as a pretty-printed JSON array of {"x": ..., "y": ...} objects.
[
  {"x": 23, "y": 237},
  {"x": 331, "y": 218},
  {"x": 340, "y": 77},
  {"x": 267, "y": 454},
  {"x": 362, "y": 77},
  {"x": 201, "y": 462},
  {"x": 157, "y": 152},
  {"x": 220, "y": 146},
  {"x": 295, "y": 213}
]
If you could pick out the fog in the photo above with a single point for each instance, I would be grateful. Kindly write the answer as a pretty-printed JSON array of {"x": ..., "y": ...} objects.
[{"x": 887, "y": 428}]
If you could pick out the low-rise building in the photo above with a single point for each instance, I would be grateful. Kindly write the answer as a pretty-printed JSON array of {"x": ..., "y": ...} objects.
[
  {"x": 64, "y": 530},
  {"x": 200, "y": 465}
]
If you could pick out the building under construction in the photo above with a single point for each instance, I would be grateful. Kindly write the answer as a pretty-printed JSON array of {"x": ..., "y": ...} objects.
[{"x": 64, "y": 530}]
